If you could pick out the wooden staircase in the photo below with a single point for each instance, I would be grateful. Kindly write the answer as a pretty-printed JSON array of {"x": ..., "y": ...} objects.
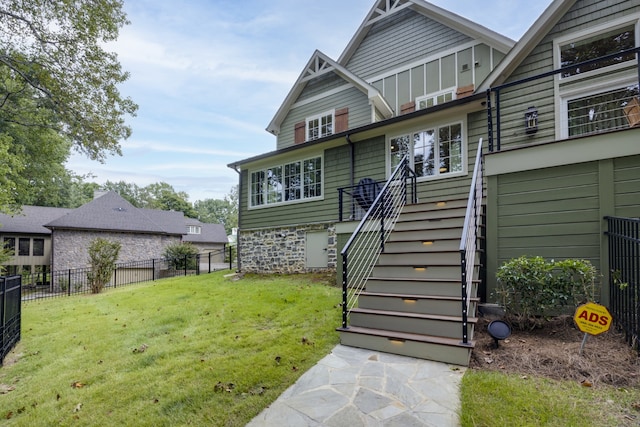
[{"x": 412, "y": 302}]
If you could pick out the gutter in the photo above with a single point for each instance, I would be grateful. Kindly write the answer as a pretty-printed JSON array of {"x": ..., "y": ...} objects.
[{"x": 239, "y": 172}]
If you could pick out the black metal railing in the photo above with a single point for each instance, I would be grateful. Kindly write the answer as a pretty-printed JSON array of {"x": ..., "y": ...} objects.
[
  {"x": 469, "y": 240},
  {"x": 352, "y": 200},
  {"x": 77, "y": 281},
  {"x": 365, "y": 245},
  {"x": 624, "y": 275},
  {"x": 10, "y": 314},
  {"x": 585, "y": 116}
]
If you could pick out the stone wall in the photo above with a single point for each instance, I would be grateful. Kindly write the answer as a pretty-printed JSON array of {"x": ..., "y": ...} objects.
[
  {"x": 71, "y": 248},
  {"x": 282, "y": 250}
]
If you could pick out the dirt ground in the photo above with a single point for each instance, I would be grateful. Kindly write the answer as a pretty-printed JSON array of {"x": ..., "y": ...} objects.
[{"x": 553, "y": 351}]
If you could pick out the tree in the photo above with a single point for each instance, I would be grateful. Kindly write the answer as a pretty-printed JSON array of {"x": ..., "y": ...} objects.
[
  {"x": 102, "y": 257},
  {"x": 219, "y": 211},
  {"x": 181, "y": 256},
  {"x": 53, "y": 52}
]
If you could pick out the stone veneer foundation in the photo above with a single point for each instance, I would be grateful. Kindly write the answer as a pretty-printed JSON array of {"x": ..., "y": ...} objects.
[{"x": 282, "y": 250}]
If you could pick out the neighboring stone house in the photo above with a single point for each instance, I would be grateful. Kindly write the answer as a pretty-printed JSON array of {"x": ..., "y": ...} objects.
[
  {"x": 62, "y": 236},
  {"x": 208, "y": 238}
]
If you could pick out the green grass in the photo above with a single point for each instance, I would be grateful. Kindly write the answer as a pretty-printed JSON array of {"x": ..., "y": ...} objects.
[
  {"x": 199, "y": 350},
  {"x": 497, "y": 399}
]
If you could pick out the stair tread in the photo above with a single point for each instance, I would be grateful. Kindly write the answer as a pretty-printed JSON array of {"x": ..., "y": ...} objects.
[
  {"x": 407, "y": 336},
  {"x": 419, "y": 296},
  {"x": 418, "y": 280},
  {"x": 413, "y": 315}
]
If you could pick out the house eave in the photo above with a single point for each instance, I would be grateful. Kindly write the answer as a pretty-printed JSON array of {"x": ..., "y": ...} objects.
[{"x": 471, "y": 103}]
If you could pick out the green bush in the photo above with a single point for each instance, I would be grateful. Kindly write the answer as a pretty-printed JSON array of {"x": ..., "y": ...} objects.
[
  {"x": 102, "y": 256},
  {"x": 181, "y": 256},
  {"x": 530, "y": 288}
]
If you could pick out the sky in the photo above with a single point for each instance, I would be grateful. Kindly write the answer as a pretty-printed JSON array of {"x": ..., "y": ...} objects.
[{"x": 209, "y": 75}]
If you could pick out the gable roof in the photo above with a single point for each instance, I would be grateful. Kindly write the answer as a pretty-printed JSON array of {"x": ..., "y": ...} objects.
[
  {"x": 209, "y": 233},
  {"x": 110, "y": 212},
  {"x": 318, "y": 65},
  {"x": 30, "y": 220},
  {"x": 549, "y": 18},
  {"x": 384, "y": 8}
]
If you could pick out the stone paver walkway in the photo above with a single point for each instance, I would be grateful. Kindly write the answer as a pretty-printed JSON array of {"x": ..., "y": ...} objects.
[{"x": 352, "y": 387}]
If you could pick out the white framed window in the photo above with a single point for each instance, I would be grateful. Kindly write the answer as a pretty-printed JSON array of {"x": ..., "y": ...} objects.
[
  {"x": 428, "y": 101},
  {"x": 592, "y": 99},
  {"x": 194, "y": 229},
  {"x": 437, "y": 151},
  {"x": 294, "y": 181},
  {"x": 320, "y": 126}
]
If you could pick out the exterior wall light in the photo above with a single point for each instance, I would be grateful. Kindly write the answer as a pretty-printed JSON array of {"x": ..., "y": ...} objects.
[{"x": 531, "y": 120}]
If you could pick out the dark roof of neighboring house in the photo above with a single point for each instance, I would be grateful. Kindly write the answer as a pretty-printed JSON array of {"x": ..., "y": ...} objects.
[
  {"x": 30, "y": 220},
  {"x": 209, "y": 233},
  {"x": 113, "y": 213}
]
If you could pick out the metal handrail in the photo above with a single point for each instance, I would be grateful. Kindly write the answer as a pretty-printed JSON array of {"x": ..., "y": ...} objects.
[
  {"x": 365, "y": 245},
  {"x": 469, "y": 240},
  {"x": 496, "y": 136}
]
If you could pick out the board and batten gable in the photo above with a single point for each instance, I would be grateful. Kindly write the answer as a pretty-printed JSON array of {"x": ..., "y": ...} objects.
[
  {"x": 399, "y": 40},
  {"x": 543, "y": 94}
]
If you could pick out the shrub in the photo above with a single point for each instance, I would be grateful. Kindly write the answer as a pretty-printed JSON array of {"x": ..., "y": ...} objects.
[
  {"x": 181, "y": 256},
  {"x": 530, "y": 287},
  {"x": 102, "y": 256}
]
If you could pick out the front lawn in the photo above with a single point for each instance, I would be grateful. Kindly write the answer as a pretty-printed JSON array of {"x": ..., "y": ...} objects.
[{"x": 200, "y": 350}]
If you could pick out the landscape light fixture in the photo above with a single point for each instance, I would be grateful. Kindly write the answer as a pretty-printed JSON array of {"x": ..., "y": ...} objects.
[{"x": 499, "y": 330}]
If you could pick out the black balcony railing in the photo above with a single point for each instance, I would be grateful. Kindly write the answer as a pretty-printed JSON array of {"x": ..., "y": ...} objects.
[
  {"x": 624, "y": 275},
  {"x": 511, "y": 122}
]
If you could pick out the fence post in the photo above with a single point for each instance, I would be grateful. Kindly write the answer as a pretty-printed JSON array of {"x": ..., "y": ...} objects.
[
  {"x": 69, "y": 284},
  {"x": 115, "y": 277},
  {"x": 230, "y": 257},
  {"x": 185, "y": 265}
]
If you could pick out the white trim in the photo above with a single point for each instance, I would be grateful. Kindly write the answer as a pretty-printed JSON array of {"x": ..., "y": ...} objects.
[
  {"x": 282, "y": 163},
  {"x": 584, "y": 84},
  {"x": 319, "y": 117},
  {"x": 434, "y": 125}
]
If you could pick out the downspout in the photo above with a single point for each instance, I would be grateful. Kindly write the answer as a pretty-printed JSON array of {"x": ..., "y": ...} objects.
[
  {"x": 238, "y": 262},
  {"x": 352, "y": 166}
]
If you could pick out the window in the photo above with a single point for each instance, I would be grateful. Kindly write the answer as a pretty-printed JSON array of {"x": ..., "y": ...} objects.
[
  {"x": 194, "y": 229},
  {"x": 24, "y": 244},
  {"x": 10, "y": 243},
  {"x": 599, "y": 112},
  {"x": 431, "y": 100},
  {"x": 38, "y": 247},
  {"x": 432, "y": 152},
  {"x": 595, "y": 47},
  {"x": 592, "y": 99},
  {"x": 289, "y": 182},
  {"x": 319, "y": 126}
]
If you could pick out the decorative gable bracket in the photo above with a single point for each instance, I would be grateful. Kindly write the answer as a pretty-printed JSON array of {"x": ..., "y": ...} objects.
[
  {"x": 385, "y": 8},
  {"x": 315, "y": 68}
]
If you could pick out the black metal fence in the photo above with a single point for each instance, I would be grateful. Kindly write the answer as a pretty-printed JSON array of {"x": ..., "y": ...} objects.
[
  {"x": 624, "y": 275},
  {"x": 78, "y": 280},
  {"x": 10, "y": 305}
]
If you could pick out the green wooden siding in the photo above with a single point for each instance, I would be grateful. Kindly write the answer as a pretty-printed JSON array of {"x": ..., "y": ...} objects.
[
  {"x": 627, "y": 186},
  {"x": 337, "y": 164},
  {"x": 584, "y": 14},
  {"x": 352, "y": 98},
  {"x": 401, "y": 39}
]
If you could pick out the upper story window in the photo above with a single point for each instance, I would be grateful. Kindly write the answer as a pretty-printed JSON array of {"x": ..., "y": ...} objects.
[
  {"x": 10, "y": 243},
  {"x": 431, "y": 100},
  {"x": 597, "y": 46},
  {"x": 436, "y": 151},
  {"x": 194, "y": 229},
  {"x": 597, "y": 98},
  {"x": 24, "y": 246},
  {"x": 320, "y": 126},
  {"x": 289, "y": 182}
]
